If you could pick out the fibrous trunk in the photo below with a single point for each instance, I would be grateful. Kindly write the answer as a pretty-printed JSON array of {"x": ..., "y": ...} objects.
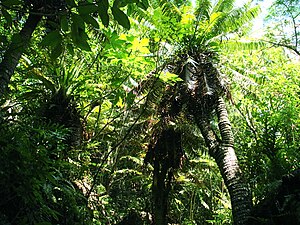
[
  {"x": 222, "y": 150},
  {"x": 13, "y": 53},
  {"x": 166, "y": 155}
]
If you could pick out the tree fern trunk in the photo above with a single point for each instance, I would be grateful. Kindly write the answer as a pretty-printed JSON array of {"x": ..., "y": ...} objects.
[
  {"x": 13, "y": 53},
  {"x": 223, "y": 152},
  {"x": 160, "y": 194}
]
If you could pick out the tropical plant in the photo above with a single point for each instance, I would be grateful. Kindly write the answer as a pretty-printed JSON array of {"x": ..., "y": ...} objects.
[
  {"x": 203, "y": 90},
  {"x": 266, "y": 97},
  {"x": 131, "y": 127},
  {"x": 59, "y": 15}
]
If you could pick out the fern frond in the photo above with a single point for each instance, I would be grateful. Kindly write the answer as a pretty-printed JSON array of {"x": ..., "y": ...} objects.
[
  {"x": 203, "y": 9},
  {"x": 223, "y": 23},
  {"x": 223, "y": 6},
  {"x": 239, "y": 17},
  {"x": 243, "y": 45}
]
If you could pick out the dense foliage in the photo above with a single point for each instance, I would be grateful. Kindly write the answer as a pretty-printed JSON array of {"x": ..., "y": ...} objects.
[{"x": 103, "y": 120}]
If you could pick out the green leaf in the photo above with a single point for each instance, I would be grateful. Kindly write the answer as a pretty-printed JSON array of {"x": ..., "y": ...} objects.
[
  {"x": 56, "y": 51},
  {"x": 102, "y": 10},
  {"x": 144, "y": 4},
  {"x": 121, "y": 17},
  {"x": 7, "y": 17},
  {"x": 52, "y": 39},
  {"x": 81, "y": 41},
  {"x": 87, "y": 9},
  {"x": 74, "y": 32},
  {"x": 77, "y": 21},
  {"x": 169, "y": 77},
  {"x": 90, "y": 20},
  {"x": 64, "y": 23},
  {"x": 78, "y": 34},
  {"x": 84, "y": 45}
]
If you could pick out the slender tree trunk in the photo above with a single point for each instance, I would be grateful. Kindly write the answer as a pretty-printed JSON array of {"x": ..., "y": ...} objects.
[
  {"x": 160, "y": 194},
  {"x": 13, "y": 53},
  {"x": 167, "y": 144},
  {"x": 223, "y": 152}
]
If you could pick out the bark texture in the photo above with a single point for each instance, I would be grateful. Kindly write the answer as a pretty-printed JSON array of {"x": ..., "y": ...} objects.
[
  {"x": 222, "y": 150},
  {"x": 13, "y": 53}
]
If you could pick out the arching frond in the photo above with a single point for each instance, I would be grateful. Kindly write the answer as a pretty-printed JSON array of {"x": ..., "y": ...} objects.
[
  {"x": 169, "y": 8},
  {"x": 223, "y": 6},
  {"x": 244, "y": 45},
  {"x": 239, "y": 17},
  {"x": 223, "y": 23},
  {"x": 203, "y": 9}
]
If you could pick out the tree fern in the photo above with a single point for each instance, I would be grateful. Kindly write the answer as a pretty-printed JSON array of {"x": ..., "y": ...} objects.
[{"x": 222, "y": 23}]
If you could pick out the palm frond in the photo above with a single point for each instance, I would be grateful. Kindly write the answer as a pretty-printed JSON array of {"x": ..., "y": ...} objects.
[
  {"x": 203, "y": 9},
  {"x": 223, "y": 6},
  {"x": 223, "y": 23},
  {"x": 239, "y": 17},
  {"x": 243, "y": 45}
]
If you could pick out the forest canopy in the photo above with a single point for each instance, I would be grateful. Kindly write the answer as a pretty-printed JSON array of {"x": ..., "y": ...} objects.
[{"x": 134, "y": 112}]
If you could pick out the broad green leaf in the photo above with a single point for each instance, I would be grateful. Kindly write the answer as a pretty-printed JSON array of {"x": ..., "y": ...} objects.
[
  {"x": 74, "y": 31},
  {"x": 120, "y": 17},
  {"x": 78, "y": 34},
  {"x": 87, "y": 9},
  {"x": 125, "y": 171},
  {"x": 83, "y": 44},
  {"x": 90, "y": 20},
  {"x": 81, "y": 41},
  {"x": 52, "y": 39},
  {"x": 120, "y": 103},
  {"x": 169, "y": 77},
  {"x": 77, "y": 21},
  {"x": 64, "y": 23},
  {"x": 102, "y": 10},
  {"x": 56, "y": 51},
  {"x": 141, "y": 45}
]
